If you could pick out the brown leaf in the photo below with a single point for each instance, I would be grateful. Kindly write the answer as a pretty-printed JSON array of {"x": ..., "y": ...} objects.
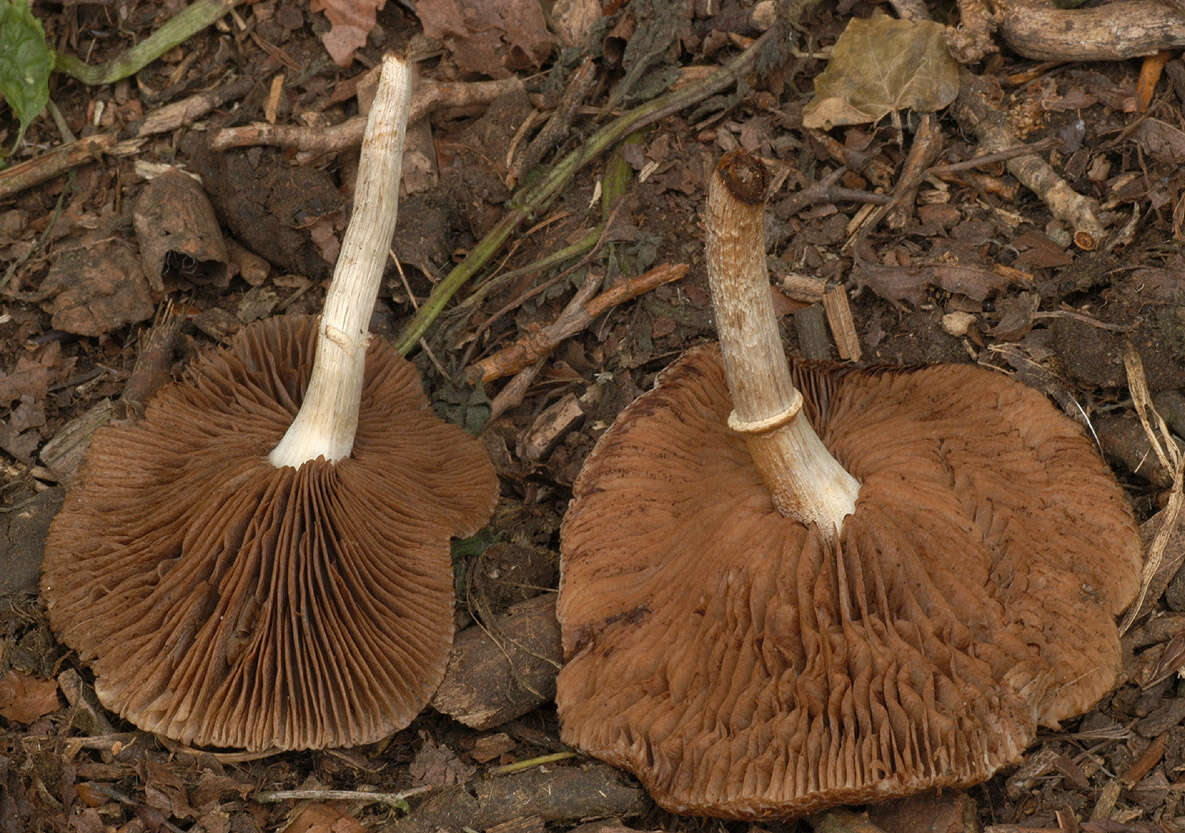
[
  {"x": 1161, "y": 141},
  {"x": 24, "y": 699},
  {"x": 352, "y": 21},
  {"x": 491, "y": 37},
  {"x": 97, "y": 285},
  {"x": 18, "y": 434},
  {"x": 879, "y": 65},
  {"x": 323, "y": 818},
  {"x": 437, "y": 766},
  {"x": 909, "y": 283},
  {"x": 1038, "y": 251},
  {"x": 32, "y": 375}
]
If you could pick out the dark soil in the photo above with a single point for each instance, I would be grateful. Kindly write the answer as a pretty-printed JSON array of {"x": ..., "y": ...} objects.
[{"x": 76, "y": 308}]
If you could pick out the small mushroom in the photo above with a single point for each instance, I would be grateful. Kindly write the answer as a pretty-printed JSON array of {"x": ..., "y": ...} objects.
[
  {"x": 263, "y": 560},
  {"x": 787, "y": 587}
]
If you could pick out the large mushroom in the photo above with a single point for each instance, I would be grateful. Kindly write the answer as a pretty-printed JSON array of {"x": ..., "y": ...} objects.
[
  {"x": 789, "y": 587},
  {"x": 263, "y": 560}
]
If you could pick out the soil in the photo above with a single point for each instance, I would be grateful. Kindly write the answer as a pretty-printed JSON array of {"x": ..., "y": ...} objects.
[{"x": 77, "y": 308}]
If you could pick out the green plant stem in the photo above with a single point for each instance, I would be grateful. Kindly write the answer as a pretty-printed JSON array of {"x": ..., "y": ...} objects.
[
  {"x": 581, "y": 246},
  {"x": 614, "y": 184},
  {"x": 519, "y": 766},
  {"x": 178, "y": 29},
  {"x": 534, "y": 198}
]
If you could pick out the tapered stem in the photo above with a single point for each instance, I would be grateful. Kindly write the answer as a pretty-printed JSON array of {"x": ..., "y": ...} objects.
[
  {"x": 328, "y": 416},
  {"x": 805, "y": 481}
]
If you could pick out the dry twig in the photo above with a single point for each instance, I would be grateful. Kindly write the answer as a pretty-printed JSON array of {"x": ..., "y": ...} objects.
[
  {"x": 52, "y": 163},
  {"x": 187, "y": 110},
  {"x": 557, "y": 124},
  {"x": 1154, "y": 579},
  {"x": 977, "y": 113},
  {"x": 536, "y": 198},
  {"x": 576, "y": 316},
  {"x": 396, "y": 801},
  {"x": 429, "y": 96},
  {"x": 1110, "y": 32}
]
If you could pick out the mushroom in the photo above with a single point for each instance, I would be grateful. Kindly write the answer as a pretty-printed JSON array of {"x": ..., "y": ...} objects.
[
  {"x": 263, "y": 560},
  {"x": 786, "y": 587}
]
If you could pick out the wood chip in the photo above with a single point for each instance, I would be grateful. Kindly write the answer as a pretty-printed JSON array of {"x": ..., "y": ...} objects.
[
  {"x": 488, "y": 747},
  {"x": 549, "y": 427}
]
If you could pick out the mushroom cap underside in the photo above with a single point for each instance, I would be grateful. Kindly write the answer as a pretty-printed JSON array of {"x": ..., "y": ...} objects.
[
  {"x": 741, "y": 665},
  {"x": 224, "y": 601}
]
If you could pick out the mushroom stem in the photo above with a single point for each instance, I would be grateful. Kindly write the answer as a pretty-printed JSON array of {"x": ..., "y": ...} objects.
[
  {"x": 328, "y": 416},
  {"x": 805, "y": 481}
]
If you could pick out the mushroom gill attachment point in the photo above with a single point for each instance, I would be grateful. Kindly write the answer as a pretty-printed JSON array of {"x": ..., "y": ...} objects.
[{"x": 749, "y": 663}]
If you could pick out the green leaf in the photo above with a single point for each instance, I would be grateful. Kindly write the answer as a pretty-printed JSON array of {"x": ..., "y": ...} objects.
[{"x": 25, "y": 62}]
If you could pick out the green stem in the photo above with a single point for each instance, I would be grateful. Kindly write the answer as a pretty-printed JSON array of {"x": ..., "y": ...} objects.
[
  {"x": 178, "y": 29},
  {"x": 581, "y": 246},
  {"x": 519, "y": 766},
  {"x": 535, "y": 198}
]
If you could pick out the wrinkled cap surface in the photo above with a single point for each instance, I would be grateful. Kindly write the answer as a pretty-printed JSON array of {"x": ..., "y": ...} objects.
[
  {"x": 742, "y": 666},
  {"x": 224, "y": 601}
]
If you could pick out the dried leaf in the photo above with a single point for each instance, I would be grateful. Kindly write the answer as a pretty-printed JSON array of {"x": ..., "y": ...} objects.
[
  {"x": 24, "y": 699},
  {"x": 909, "y": 283},
  {"x": 32, "y": 375},
  {"x": 97, "y": 285},
  {"x": 324, "y": 818},
  {"x": 18, "y": 434},
  {"x": 491, "y": 37},
  {"x": 437, "y": 766},
  {"x": 1162, "y": 141},
  {"x": 879, "y": 65},
  {"x": 352, "y": 21}
]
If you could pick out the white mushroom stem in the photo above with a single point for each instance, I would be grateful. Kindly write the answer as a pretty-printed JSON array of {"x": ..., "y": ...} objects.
[
  {"x": 328, "y": 416},
  {"x": 805, "y": 481}
]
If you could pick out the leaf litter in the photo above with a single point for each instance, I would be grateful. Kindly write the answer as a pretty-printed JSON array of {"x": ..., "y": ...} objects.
[{"x": 979, "y": 271}]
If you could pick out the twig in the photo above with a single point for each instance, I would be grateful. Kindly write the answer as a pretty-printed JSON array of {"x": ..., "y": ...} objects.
[
  {"x": 176, "y": 30},
  {"x": 519, "y": 766},
  {"x": 221, "y": 757},
  {"x": 18, "y": 262},
  {"x": 602, "y": 233},
  {"x": 537, "y": 197},
  {"x": 825, "y": 190},
  {"x": 155, "y": 357},
  {"x": 185, "y": 111},
  {"x": 429, "y": 96},
  {"x": 926, "y": 146},
  {"x": 397, "y": 801},
  {"x": 991, "y": 158},
  {"x": 585, "y": 245},
  {"x": 537, "y": 345},
  {"x": 976, "y": 112},
  {"x": 557, "y": 125},
  {"x": 839, "y": 317},
  {"x": 1169, "y": 455},
  {"x": 575, "y": 317},
  {"x": 1111, "y": 32},
  {"x": 45, "y": 167},
  {"x": 512, "y": 392}
]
